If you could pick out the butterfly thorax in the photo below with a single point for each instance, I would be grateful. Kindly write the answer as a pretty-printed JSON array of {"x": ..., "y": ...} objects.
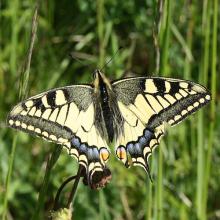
[{"x": 105, "y": 107}]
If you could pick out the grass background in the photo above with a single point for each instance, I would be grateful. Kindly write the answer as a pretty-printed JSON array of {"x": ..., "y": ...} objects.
[{"x": 161, "y": 38}]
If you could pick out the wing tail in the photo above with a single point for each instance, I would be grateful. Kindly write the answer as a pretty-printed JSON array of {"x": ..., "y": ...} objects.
[{"x": 140, "y": 150}]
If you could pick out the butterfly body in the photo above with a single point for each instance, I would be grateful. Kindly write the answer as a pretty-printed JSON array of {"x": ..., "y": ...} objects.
[
  {"x": 130, "y": 112},
  {"x": 105, "y": 106}
]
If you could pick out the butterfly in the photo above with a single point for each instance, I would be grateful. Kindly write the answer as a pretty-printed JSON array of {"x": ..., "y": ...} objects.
[{"x": 132, "y": 113}]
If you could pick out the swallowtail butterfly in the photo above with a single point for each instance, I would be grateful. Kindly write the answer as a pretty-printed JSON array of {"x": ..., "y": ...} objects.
[{"x": 130, "y": 112}]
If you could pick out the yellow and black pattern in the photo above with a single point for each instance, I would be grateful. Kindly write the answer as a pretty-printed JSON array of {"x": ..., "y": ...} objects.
[
  {"x": 133, "y": 112},
  {"x": 147, "y": 105},
  {"x": 64, "y": 116}
]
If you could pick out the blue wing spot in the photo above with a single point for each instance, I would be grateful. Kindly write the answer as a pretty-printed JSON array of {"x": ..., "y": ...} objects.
[
  {"x": 75, "y": 142},
  {"x": 143, "y": 140}
]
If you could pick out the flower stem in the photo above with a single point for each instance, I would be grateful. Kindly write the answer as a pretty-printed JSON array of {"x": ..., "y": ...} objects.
[
  {"x": 56, "y": 201},
  {"x": 76, "y": 182}
]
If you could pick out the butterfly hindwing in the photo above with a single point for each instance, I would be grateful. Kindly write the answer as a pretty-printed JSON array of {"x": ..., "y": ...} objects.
[
  {"x": 147, "y": 105},
  {"x": 64, "y": 116}
]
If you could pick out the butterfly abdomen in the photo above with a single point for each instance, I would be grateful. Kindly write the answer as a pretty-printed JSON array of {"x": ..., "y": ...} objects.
[{"x": 106, "y": 109}]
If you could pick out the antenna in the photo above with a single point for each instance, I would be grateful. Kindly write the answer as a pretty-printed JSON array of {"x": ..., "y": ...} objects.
[
  {"x": 77, "y": 59},
  {"x": 110, "y": 60}
]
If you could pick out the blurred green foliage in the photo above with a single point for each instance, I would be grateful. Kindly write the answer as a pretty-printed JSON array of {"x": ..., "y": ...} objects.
[{"x": 93, "y": 31}]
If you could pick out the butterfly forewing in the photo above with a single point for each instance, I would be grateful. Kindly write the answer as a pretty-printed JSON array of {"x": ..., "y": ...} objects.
[
  {"x": 147, "y": 105},
  {"x": 64, "y": 116}
]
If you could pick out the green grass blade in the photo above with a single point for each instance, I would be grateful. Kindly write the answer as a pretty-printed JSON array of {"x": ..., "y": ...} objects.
[
  {"x": 215, "y": 7},
  {"x": 43, "y": 192},
  {"x": 8, "y": 179},
  {"x": 14, "y": 6},
  {"x": 22, "y": 93},
  {"x": 100, "y": 26},
  {"x": 201, "y": 131},
  {"x": 165, "y": 36}
]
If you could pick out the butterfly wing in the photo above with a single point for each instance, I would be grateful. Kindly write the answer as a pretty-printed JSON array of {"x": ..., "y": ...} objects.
[
  {"x": 65, "y": 116},
  {"x": 147, "y": 105}
]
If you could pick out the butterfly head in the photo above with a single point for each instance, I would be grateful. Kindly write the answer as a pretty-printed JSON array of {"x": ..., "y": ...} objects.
[{"x": 100, "y": 80}]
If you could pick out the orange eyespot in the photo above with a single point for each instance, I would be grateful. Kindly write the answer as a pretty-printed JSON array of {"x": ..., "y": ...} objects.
[
  {"x": 121, "y": 153},
  {"x": 104, "y": 154}
]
